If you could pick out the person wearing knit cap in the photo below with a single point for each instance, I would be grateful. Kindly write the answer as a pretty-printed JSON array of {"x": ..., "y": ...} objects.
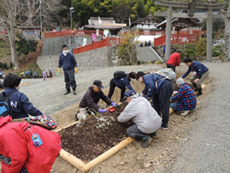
[
  {"x": 185, "y": 98},
  {"x": 146, "y": 120}
]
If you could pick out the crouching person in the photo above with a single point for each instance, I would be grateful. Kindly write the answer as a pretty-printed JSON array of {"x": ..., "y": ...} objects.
[
  {"x": 186, "y": 99},
  {"x": 25, "y": 148},
  {"x": 90, "y": 100},
  {"x": 145, "y": 118}
]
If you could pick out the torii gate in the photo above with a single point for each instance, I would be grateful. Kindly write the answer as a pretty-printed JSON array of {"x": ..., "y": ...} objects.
[{"x": 191, "y": 6}]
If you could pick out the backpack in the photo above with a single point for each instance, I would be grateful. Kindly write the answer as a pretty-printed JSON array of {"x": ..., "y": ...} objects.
[
  {"x": 167, "y": 73},
  {"x": 119, "y": 74},
  {"x": 5, "y": 108}
]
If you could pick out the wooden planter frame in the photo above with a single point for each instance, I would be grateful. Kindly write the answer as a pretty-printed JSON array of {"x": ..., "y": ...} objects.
[{"x": 84, "y": 167}]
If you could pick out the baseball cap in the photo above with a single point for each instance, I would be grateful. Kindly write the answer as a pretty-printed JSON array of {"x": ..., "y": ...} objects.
[
  {"x": 129, "y": 93},
  {"x": 98, "y": 83}
]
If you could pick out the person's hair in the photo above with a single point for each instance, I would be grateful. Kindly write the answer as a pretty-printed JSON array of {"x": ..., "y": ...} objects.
[
  {"x": 178, "y": 50},
  {"x": 11, "y": 80},
  {"x": 139, "y": 74},
  {"x": 132, "y": 75},
  {"x": 186, "y": 60},
  {"x": 63, "y": 46}
]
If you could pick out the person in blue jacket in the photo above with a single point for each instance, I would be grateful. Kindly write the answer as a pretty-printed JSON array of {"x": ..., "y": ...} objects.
[
  {"x": 160, "y": 90},
  {"x": 200, "y": 73},
  {"x": 68, "y": 63},
  {"x": 122, "y": 83},
  {"x": 19, "y": 102}
]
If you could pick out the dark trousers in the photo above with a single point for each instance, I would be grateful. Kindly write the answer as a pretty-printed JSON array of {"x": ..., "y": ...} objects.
[
  {"x": 132, "y": 131},
  {"x": 112, "y": 87},
  {"x": 70, "y": 79},
  {"x": 161, "y": 101},
  {"x": 172, "y": 67}
]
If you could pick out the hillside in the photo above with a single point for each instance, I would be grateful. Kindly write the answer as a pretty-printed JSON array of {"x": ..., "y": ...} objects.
[{"x": 24, "y": 64}]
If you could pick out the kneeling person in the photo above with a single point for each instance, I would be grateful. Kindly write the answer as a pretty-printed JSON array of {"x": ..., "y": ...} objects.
[
  {"x": 90, "y": 100},
  {"x": 186, "y": 99},
  {"x": 145, "y": 118}
]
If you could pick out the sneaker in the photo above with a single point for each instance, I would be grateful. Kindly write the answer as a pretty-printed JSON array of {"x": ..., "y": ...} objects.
[
  {"x": 122, "y": 100},
  {"x": 67, "y": 92},
  {"x": 185, "y": 113},
  {"x": 198, "y": 94},
  {"x": 153, "y": 134},
  {"x": 76, "y": 118},
  {"x": 146, "y": 142},
  {"x": 74, "y": 92},
  {"x": 164, "y": 126}
]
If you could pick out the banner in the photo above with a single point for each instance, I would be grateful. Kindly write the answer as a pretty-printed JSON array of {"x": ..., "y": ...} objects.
[
  {"x": 84, "y": 41},
  {"x": 94, "y": 37},
  {"x": 97, "y": 32},
  {"x": 106, "y": 32}
]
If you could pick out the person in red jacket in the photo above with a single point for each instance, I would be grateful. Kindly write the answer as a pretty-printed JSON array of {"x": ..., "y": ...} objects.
[
  {"x": 174, "y": 60},
  {"x": 25, "y": 148}
]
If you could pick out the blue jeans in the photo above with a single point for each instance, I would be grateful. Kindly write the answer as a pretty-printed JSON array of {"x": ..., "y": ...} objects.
[{"x": 173, "y": 106}]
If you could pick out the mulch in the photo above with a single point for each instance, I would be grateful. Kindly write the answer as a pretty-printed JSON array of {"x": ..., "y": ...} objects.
[{"x": 89, "y": 139}]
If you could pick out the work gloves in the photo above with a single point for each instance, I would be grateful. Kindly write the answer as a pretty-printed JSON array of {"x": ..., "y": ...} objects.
[
  {"x": 59, "y": 71},
  {"x": 113, "y": 104},
  {"x": 75, "y": 68},
  {"x": 102, "y": 110}
]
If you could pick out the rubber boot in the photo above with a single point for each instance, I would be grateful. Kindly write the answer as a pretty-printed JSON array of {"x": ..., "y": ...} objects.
[
  {"x": 195, "y": 87},
  {"x": 74, "y": 91},
  {"x": 145, "y": 138},
  {"x": 67, "y": 92},
  {"x": 199, "y": 92}
]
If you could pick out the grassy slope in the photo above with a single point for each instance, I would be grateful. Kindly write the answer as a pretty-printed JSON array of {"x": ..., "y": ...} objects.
[{"x": 23, "y": 64}]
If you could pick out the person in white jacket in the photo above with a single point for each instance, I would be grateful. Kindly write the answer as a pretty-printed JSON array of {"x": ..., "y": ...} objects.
[{"x": 146, "y": 119}]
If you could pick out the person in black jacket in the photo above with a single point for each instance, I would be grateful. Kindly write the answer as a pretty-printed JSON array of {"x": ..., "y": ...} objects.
[
  {"x": 121, "y": 82},
  {"x": 90, "y": 100}
]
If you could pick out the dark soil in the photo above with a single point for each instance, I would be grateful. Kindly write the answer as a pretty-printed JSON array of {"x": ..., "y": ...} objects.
[{"x": 88, "y": 139}]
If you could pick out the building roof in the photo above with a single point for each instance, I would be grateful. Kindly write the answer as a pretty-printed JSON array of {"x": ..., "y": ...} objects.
[
  {"x": 102, "y": 23},
  {"x": 148, "y": 20},
  {"x": 180, "y": 23}
]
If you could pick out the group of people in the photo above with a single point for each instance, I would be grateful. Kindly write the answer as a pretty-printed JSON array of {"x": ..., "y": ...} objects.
[
  {"x": 158, "y": 88},
  {"x": 147, "y": 118},
  {"x": 146, "y": 44}
]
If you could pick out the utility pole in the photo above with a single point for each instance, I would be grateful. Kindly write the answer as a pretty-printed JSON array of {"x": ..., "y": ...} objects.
[
  {"x": 71, "y": 10},
  {"x": 40, "y": 18}
]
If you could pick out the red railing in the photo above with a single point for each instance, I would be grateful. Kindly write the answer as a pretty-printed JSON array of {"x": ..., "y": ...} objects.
[
  {"x": 72, "y": 32},
  {"x": 99, "y": 44},
  {"x": 96, "y": 45},
  {"x": 177, "y": 39},
  {"x": 3, "y": 32}
]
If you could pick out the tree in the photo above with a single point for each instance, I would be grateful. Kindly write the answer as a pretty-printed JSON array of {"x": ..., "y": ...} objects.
[
  {"x": 121, "y": 12},
  {"x": 127, "y": 48},
  {"x": 17, "y": 13},
  {"x": 25, "y": 46}
]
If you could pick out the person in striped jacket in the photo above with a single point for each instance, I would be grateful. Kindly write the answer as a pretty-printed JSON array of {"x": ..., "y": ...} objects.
[{"x": 185, "y": 98}]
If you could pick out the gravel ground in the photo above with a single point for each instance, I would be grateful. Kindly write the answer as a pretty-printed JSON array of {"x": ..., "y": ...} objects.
[{"x": 207, "y": 149}]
